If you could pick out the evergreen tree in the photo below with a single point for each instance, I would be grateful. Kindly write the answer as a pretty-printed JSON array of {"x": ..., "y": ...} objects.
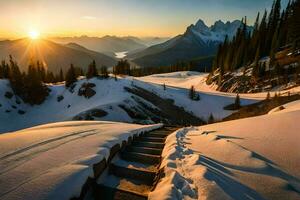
[
  {"x": 237, "y": 102},
  {"x": 274, "y": 19},
  {"x": 192, "y": 92},
  {"x": 15, "y": 77},
  {"x": 104, "y": 72},
  {"x": 35, "y": 91},
  {"x": 70, "y": 76},
  {"x": 122, "y": 67},
  {"x": 211, "y": 119},
  {"x": 268, "y": 96},
  {"x": 294, "y": 24},
  {"x": 92, "y": 70},
  {"x": 61, "y": 75}
]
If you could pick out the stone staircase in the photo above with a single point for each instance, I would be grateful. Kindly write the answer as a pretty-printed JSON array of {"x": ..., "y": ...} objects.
[{"x": 134, "y": 171}]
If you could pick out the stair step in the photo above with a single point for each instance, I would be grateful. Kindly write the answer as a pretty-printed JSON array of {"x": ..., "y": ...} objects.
[
  {"x": 132, "y": 173},
  {"x": 150, "y": 139},
  {"x": 170, "y": 128},
  {"x": 107, "y": 193},
  {"x": 114, "y": 187},
  {"x": 148, "y": 144},
  {"x": 145, "y": 150},
  {"x": 156, "y": 135},
  {"x": 166, "y": 132},
  {"x": 137, "y": 165},
  {"x": 145, "y": 176},
  {"x": 139, "y": 157}
]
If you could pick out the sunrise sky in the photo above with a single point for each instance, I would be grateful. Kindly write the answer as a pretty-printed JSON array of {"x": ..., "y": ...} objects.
[{"x": 118, "y": 17}]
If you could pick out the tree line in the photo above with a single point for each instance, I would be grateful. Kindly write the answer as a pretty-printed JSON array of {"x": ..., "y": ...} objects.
[
  {"x": 30, "y": 85},
  {"x": 123, "y": 67},
  {"x": 277, "y": 29}
]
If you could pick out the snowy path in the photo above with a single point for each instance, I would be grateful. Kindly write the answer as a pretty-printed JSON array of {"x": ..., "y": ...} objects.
[
  {"x": 252, "y": 158},
  {"x": 134, "y": 172}
]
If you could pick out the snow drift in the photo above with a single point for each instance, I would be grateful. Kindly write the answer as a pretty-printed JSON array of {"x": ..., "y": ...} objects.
[
  {"x": 253, "y": 158},
  {"x": 54, "y": 161}
]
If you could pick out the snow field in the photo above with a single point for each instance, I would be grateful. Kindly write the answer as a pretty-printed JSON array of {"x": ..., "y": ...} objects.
[
  {"x": 54, "y": 161},
  {"x": 253, "y": 158},
  {"x": 109, "y": 94}
]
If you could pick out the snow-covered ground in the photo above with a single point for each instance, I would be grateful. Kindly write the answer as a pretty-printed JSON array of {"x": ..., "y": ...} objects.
[
  {"x": 109, "y": 94},
  {"x": 253, "y": 158},
  {"x": 292, "y": 106},
  {"x": 186, "y": 79},
  {"x": 53, "y": 161}
]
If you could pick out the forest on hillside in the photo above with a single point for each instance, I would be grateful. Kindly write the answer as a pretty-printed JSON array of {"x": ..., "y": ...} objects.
[{"x": 276, "y": 36}]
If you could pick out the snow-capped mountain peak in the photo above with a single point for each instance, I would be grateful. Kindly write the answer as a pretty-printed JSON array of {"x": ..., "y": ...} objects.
[
  {"x": 216, "y": 32},
  {"x": 201, "y": 26}
]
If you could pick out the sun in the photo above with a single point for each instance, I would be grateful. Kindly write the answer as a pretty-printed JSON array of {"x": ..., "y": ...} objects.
[{"x": 34, "y": 34}]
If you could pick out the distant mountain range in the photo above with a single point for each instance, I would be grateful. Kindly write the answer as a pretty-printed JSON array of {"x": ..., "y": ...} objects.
[
  {"x": 111, "y": 44},
  {"x": 198, "y": 41},
  {"x": 54, "y": 56}
]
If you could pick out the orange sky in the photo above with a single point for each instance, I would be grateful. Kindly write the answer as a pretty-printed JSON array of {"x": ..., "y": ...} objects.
[{"x": 117, "y": 17}]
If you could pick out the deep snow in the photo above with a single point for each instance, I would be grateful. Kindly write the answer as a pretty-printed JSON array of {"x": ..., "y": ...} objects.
[
  {"x": 53, "y": 161},
  {"x": 253, "y": 158},
  {"x": 109, "y": 94},
  {"x": 186, "y": 79}
]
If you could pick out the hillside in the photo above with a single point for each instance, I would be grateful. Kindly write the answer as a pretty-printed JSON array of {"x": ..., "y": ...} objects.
[
  {"x": 54, "y": 56},
  {"x": 125, "y": 100},
  {"x": 253, "y": 158},
  {"x": 284, "y": 76}
]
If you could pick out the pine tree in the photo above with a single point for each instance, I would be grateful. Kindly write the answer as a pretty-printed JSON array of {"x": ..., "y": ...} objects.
[
  {"x": 35, "y": 91},
  {"x": 15, "y": 77},
  {"x": 104, "y": 72},
  {"x": 268, "y": 96},
  {"x": 70, "y": 76},
  {"x": 211, "y": 119},
  {"x": 192, "y": 92},
  {"x": 274, "y": 19},
  {"x": 61, "y": 75},
  {"x": 237, "y": 102},
  {"x": 294, "y": 24},
  {"x": 92, "y": 70}
]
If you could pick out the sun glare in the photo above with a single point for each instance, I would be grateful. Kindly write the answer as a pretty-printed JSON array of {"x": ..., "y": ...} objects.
[{"x": 34, "y": 34}]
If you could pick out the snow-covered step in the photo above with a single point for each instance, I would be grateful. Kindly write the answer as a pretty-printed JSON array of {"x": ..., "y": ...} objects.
[
  {"x": 119, "y": 188},
  {"x": 140, "y": 157},
  {"x": 145, "y": 150},
  {"x": 158, "y": 135},
  {"x": 151, "y": 139},
  {"x": 163, "y": 132},
  {"x": 133, "y": 173},
  {"x": 143, "y": 175},
  {"x": 148, "y": 144},
  {"x": 137, "y": 165}
]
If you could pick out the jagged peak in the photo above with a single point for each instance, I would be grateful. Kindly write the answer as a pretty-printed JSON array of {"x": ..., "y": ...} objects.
[{"x": 201, "y": 24}]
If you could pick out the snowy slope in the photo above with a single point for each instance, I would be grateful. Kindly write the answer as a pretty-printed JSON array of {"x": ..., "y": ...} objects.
[
  {"x": 109, "y": 94},
  {"x": 53, "y": 161},
  {"x": 292, "y": 106},
  {"x": 186, "y": 79},
  {"x": 253, "y": 158}
]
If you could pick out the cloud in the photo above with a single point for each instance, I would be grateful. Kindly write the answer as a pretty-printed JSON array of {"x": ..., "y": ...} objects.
[{"x": 87, "y": 17}]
